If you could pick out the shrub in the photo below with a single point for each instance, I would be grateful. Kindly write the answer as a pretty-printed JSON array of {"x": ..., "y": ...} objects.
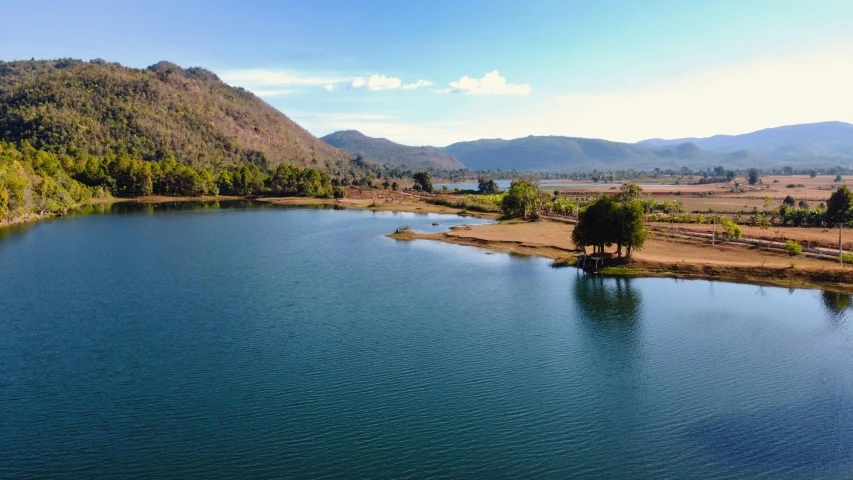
[
  {"x": 732, "y": 229},
  {"x": 793, "y": 248}
]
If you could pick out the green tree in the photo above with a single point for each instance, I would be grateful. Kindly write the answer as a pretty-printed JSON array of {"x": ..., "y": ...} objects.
[
  {"x": 789, "y": 200},
  {"x": 522, "y": 200},
  {"x": 754, "y": 175},
  {"x": 487, "y": 186},
  {"x": 611, "y": 220},
  {"x": 839, "y": 207},
  {"x": 422, "y": 179}
]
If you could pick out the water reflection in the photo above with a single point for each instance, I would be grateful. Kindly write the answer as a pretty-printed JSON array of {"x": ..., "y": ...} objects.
[
  {"x": 610, "y": 300},
  {"x": 836, "y": 304},
  {"x": 145, "y": 208},
  {"x": 609, "y": 328}
]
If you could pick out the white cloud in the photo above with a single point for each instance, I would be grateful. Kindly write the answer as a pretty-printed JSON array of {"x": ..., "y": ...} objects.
[
  {"x": 418, "y": 84},
  {"x": 330, "y": 87},
  {"x": 442, "y": 90},
  {"x": 491, "y": 84},
  {"x": 377, "y": 82}
]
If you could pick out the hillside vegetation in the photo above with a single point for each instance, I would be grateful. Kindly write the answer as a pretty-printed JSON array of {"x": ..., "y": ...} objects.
[
  {"x": 35, "y": 181},
  {"x": 154, "y": 114},
  {"x": 71, "y": 130},
  {"x": 393, "y": 155}
]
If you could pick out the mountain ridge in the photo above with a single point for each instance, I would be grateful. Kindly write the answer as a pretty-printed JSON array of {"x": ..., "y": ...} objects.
[
  {"x": 391, "y": 154},
  {"x": 820, "y": 139}
]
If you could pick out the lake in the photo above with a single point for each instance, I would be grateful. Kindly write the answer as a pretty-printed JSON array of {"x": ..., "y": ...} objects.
[{"x": 231, "y": 341}]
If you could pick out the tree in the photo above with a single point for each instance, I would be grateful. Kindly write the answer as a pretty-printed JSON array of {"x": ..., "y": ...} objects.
[
  {"x": 522, "y": 200},
  {"x": 813, "y": 174},
  {"x": 487, "y": 186},
  {"x": 395, "y": 186},
  {"x": 754, "y": 175},
  {"x": 422, "y": 179},
  {"x": 611, "y": 220},
  {"x": 630, "y": 191},
  {"x": 839, "y": 207},
  {"x": 730, "y": 175},
  {"x": 838, "y": 178},
  {"x": 789, "y": 200}
]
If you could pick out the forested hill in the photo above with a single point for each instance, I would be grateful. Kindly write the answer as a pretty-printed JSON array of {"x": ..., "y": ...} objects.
[
  {"x": 392, "y": 154},
  {"x": 189, "y": 115}
]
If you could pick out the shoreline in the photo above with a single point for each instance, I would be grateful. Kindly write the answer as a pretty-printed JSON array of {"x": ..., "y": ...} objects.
[
  {"x": 521, "y": 238},
  {"x": 829, "y": 279}
]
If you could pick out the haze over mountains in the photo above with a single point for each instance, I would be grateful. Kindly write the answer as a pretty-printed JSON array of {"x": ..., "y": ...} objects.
[
  {"x": 825, "y": 140},
  {"x": 799, "y": 146}
]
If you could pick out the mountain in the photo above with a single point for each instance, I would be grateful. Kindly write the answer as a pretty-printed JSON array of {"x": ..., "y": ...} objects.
[
  {"x": 566, "y": 154},
  {"x": 814, "y": 141},
  {"x": 392, "y": 154},
  {"x": 164, "y": 111}
]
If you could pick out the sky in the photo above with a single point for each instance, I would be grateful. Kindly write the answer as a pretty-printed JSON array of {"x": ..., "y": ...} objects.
[{"x": 438, "y": 72}]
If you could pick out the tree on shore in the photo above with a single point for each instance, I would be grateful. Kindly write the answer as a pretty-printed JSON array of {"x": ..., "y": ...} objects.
[
  {"x": 423, "y": 181},
  {"x": 612, "y": 220},
  {"x": 487, "y": 186}
]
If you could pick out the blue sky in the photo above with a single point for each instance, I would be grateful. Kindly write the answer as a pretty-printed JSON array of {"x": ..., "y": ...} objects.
[{"x": 444, "y": 71}]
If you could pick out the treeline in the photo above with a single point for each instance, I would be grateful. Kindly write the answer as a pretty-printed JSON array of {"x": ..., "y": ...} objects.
[{"x": 34, "y": 180}]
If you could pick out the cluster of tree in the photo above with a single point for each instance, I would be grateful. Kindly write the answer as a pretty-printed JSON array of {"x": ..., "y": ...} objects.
[
  {"x": 34, "y": 180},
  {"x": 837, "y": 211},
  {"x": 407, "y": 172},
  {"x": 487, "y": 186},
  {"x": 612, "y": 219},
  {"x": 423, "y": 183}
]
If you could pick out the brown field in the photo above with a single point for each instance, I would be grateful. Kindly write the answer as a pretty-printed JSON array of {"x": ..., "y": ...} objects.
[
  {"x": 718, "y": 197},
  {"x": 807, "y": 237}
]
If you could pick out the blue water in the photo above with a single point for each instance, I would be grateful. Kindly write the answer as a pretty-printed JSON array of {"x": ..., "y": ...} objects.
[{"x": 296, "y": 343}]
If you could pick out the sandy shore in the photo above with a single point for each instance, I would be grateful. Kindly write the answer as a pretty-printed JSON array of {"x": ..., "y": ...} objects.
[{"x": 662, "y": 256}]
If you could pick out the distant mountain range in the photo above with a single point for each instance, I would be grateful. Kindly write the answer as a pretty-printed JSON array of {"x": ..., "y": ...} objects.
[
  {"x": 392, "y": 154},
  {"x": 563, "y": 154},
  {"x": 826, "y": 140},
  {"x": 807, "y": 145}
]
